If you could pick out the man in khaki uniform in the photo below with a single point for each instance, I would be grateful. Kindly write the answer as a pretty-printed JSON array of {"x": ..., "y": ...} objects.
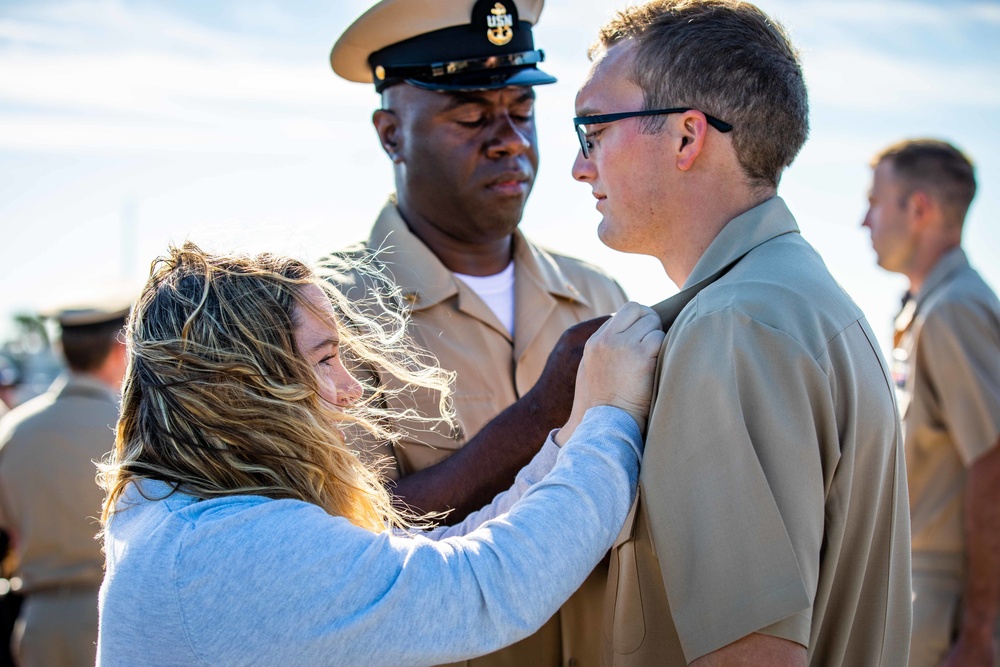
[
  {"x": 946, "y": 364},
  {"x": 8, "y": 383},
  {"x": 457, "y": 121},
  {"x": 49, "y": 498},
  {"x": 771, "y": 526}
]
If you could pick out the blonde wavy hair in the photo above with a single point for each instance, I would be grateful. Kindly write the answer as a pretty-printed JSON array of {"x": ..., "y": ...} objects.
[{"x": 217, "y": 401}]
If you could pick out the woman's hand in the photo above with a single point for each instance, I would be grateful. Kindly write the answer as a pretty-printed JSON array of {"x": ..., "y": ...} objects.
[{"x": 618, "y": 365}]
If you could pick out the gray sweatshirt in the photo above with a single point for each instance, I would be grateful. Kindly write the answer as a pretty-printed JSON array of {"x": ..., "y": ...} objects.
[{"x": 248, "y": 580}]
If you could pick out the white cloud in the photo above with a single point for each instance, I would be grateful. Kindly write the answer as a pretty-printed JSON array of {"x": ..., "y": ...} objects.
[
  {"x": 158, "y": 82},
  {"x": 867, "y": 79},
  {"x": 986, "y": 12},
  {"x": 110, "y": 25},
  {"x": 108, "y": 76},
  {"x": 305, "y": 128},
  {"x": 901, "y": 16}
]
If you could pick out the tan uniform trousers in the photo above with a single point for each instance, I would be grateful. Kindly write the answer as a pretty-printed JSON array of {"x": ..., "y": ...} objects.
[
  {"x": 57, "y": 628},
  {"x": 937, "y": 598}
]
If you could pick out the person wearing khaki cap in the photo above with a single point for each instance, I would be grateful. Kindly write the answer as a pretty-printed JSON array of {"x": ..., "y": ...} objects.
[
  {"x": 9, "y": 377},
  {"x": 49, "y": 499},
  {"x": 457, "y": 121}
]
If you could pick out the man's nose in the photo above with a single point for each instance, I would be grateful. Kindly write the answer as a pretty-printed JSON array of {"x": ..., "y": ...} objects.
[
  {"x": 583, "y": 168},
  {"x": 866, "y": 220},
  {"x": 509, "y": 137}
]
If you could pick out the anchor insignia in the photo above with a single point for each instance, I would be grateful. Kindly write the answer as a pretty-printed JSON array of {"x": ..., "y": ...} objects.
[{"x": 500, "y": 24}]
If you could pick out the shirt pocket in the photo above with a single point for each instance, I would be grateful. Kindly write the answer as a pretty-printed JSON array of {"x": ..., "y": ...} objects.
[{"x": 628, "y": 623}]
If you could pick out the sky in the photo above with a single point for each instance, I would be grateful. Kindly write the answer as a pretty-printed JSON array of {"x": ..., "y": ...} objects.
[{"x": 126, "y": 125}]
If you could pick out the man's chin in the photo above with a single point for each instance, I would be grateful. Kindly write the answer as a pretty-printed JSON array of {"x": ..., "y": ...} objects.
[
  {"x": 484, "y": 230},
  {"x": 607, "y": 236},
  {"x": 617, "y": 242},
  {"x": 503, "y": 216},
  {"x": 507, "y": 205}
]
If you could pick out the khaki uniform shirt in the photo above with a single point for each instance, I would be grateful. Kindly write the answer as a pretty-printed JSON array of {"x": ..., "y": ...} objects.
[
  {"x": 494, "y": 368},
  {"x": 947, "y": 368},
  {"x": 49, "y": 498},
  {"x": 772, "y": 492}
]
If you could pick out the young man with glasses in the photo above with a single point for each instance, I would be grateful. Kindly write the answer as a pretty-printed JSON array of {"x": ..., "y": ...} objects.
[{"x": 771, "y": 526}]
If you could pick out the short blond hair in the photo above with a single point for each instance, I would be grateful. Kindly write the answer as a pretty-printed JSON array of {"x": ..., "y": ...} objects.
[
  {"x": 937, "y": 167},
  {"x": 725, "y": 58}
]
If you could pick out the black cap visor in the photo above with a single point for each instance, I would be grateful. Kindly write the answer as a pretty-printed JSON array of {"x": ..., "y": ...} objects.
[{"x": 522, "y": 76}]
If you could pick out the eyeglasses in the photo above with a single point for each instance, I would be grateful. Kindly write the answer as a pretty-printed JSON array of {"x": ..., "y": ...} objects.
[{"x": 582, "y": 122}]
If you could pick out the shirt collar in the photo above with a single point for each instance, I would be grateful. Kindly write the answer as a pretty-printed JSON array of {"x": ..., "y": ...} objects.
[
  {"x": 950, "y": 262},
  {"x": 742, "y": 234},
  {"x": 78, "y": 384},
  {"x": 425, "y": 281}
]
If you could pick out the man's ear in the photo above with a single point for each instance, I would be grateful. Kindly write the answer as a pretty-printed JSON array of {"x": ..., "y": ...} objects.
[
  {"x": 116, "y": 364},
  {"x": 386, "y": 123},
  {"x": 693, "y": 128},
  {"x": 922, "y": 207}
]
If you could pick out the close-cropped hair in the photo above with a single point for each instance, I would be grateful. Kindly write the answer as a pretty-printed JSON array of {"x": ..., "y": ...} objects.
[
  {"x": 937, "y": 167},
  {"x": 85, "y": 347},
  {"x": 217, "y": 400},
  {"x": 727, "y": 59}
]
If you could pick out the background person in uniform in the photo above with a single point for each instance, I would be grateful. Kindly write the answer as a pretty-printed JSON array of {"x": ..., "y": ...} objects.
[
  {"x": 10, "y": 601},
  {"x": 240, "y": 528},
  {"x": 457, "y": 122},
  {"x": 946, "y": 364},
  {"x": 49, "y": 498},
  {"x": 772, "y": 509},
  {"x": 9, "y": 377}
]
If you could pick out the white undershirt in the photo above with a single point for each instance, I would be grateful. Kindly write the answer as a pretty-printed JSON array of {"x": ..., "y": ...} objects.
[{"x": 497, "y": 291}]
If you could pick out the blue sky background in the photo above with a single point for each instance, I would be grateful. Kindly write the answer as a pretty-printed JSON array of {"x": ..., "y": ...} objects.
[{"x": 125, "y": 125}]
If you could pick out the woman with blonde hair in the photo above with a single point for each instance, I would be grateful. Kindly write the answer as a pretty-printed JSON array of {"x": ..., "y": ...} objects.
[{"x": 240, "y": 528}]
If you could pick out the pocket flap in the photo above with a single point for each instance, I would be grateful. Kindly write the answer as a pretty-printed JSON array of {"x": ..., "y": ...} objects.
[{"x": 628, "y": 529}]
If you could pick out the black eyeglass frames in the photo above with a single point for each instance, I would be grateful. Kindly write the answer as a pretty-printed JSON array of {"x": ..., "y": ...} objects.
[{"x": 581, "y": 122}]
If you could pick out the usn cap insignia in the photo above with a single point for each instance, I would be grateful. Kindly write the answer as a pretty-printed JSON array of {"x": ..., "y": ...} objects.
[
  {"x": 501, "y": 25},
  {"x": 498, "y": 18}
]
